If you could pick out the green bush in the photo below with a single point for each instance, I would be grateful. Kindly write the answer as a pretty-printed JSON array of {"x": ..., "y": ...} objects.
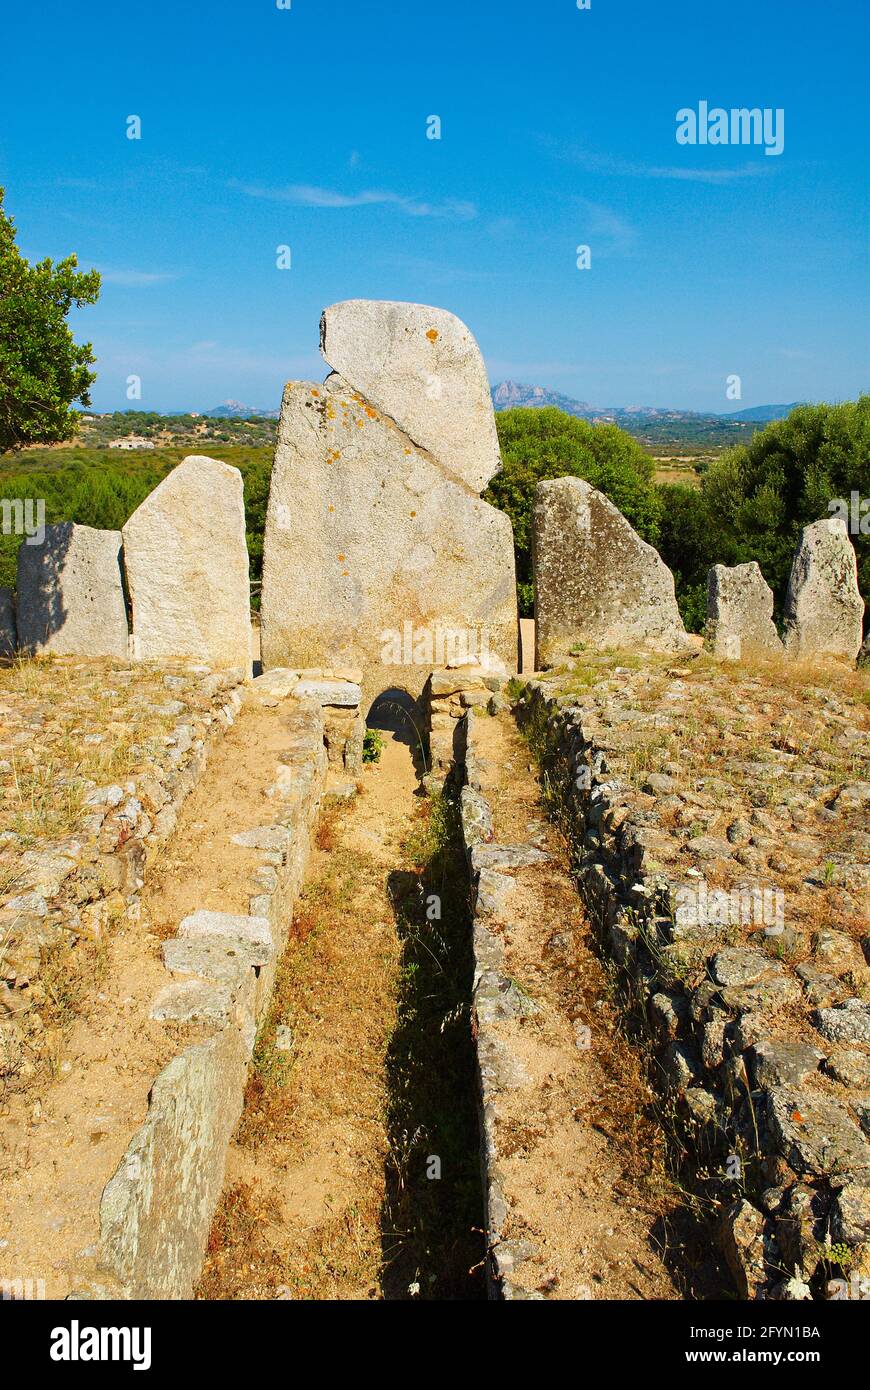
[{"x": 539, "y": 444}]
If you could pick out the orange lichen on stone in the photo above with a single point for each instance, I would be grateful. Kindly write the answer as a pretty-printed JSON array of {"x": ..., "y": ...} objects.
[
  {"x": 341, "y": 559},
  {"x": 432, "y": 335},
  {"x": 314, "y": 391},
  {"x": 372, "y": 414}
]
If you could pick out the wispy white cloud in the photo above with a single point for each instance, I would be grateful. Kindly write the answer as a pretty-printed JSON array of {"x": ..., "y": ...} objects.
[
  {"x": 312, "y": 196},
  {"x": 134, "y": 279},
  {"x": 606, "y": 231},
  {"x": 627, "y": 168}
]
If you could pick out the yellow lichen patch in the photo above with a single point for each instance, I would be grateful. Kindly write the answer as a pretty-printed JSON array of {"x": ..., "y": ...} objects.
[
  {"x": 341, "y": 559},
  {"x": 330, "y": 508},
  {"x": 432, "y": 335},
  {"x": 412, "y": 513},
  {"x": 314, "y": 391},
  {"x": 372, "y": 414}
]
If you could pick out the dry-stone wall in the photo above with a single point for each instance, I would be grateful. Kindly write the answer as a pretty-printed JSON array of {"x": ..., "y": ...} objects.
[
  {"x": 156, "y": 1211},
  {"x": 449, "y": 695},
  {"x": 338, "y": 693},
  {"x": 379, "y": 553},
  {"x": 75, "y": 888},
  {"x": 597, "y": 584},
  {"x": 71, "y": 593},
  {"x": 768, "y": 1063}
]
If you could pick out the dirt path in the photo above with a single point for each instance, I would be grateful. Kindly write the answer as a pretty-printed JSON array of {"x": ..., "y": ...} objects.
[
  {"x": 322, "y": 1175},
  {"x": 581, "y": 1157},
  {"x": 57, "y": 1155}
]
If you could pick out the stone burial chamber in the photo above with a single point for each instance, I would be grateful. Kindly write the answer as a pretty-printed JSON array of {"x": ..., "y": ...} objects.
[{"x": 379, "y": 553}]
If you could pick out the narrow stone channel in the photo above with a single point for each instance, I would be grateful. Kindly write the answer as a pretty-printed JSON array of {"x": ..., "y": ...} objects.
[{"x": 354, "y": 1172}]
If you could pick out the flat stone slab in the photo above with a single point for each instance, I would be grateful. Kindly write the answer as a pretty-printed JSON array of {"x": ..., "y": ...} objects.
[
  {"x": 221, "y": 960},
  {"x": 253, "y": 935},
  {"x": 739, "y": 965},
  {"x": 784, "y": 1063},
  {"x": 850, "y": 1067},
  {"x": 186, "y": 559},
  {"x": 193, "y": 1001},
  {"x": 421, "y": 367},
  {"x": 266, "y": 837},
  {"x": 71, "y": 594},
  {"x": 813, "y": 1134},
  {"x": 341, "y": 693},
  {"x": 505, "y": 857}
]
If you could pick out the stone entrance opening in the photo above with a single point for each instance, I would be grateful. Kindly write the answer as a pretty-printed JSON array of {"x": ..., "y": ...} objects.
[{"x": 398, "y": 717}]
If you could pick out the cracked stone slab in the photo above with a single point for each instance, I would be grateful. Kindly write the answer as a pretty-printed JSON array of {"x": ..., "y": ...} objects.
[
  {"x": 784, "y": 1063},
  {"x": 422, "y": 367},
  {"x": 265, "y": 837}
]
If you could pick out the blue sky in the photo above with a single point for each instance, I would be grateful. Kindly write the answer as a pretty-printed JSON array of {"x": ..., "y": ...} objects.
[{"x": 264, "y": 127}]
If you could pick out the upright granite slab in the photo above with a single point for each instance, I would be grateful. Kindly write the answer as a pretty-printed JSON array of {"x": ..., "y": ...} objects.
[
  {"x": 187, "y": 567},
  {"x": 71, "y": 594},
  {"x": 597, "y": 584},
  {"x": 740, "y": 613},
  {"x": 421, "y": 367},
  {"x": 379, "y": 554},
  {"x": 824, "y": 609},
  {"x": 8, "y": 630}
]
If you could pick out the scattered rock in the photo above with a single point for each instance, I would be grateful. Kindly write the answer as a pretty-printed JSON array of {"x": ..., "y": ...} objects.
[{"x": 740, "y": 613}]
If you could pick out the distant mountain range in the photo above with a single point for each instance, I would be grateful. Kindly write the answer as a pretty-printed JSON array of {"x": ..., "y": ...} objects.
[
  {"x": 230, "y": 410},
  {"x": 509, "y": 394}
]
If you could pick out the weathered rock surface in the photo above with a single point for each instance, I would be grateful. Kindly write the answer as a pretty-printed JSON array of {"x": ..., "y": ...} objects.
[
  {"x": 864, "y": 654},
  {"x": 8, "y": 630},
  {"x": 187, "y": 567},
  {"x": 174, "y": 1164},
  {"x": 421, "y": 367},
  {"x": 815, "y": 1135},
  {"x": 823, "y": 605},
  {"x": 375, "y": 556},
  {"x": 71, "y": 595},
  {"x": 740, "y": 612},
  {"x": 597, "y": 584}
]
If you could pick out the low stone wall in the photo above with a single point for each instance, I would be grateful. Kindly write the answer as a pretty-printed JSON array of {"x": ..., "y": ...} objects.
[
  {"x": 448, "y": 696},
  {"x": 339, "y": 695},
  {"x": 490, "y": 885},
  {"x": 738, "y": 1034},
  {"x": 156, "y": 1211},
  {"x": 76, "y": 888}
]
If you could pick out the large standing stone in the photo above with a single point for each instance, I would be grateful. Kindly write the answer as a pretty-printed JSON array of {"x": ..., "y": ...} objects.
[
  {"x": 71, "y": 594},
  {"x": 823, "y": 606},
  {"x": 8, "y": 631},
  {"x": 596, "y": 582},
  {"x": 379, "y": 554},
  {"x": 187, "y": 567},
  {"x": 740, "y": 612},
  {"x": 422, "y": 368}
]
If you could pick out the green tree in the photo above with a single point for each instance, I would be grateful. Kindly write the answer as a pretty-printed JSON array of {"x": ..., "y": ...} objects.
[
  {"x": 759, "y": 496},
  {"x": 538, "y": 444},
  {"x": 42, "y": 370}
]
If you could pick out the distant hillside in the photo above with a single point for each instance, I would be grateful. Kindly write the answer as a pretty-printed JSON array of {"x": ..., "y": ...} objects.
[
  {"x": 764, "y": 413},
  {"x": 654, "y": 425},
  {"x": 234, "y": 410}
]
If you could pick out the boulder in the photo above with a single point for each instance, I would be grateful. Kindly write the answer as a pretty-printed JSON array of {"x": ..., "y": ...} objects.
[
  {"x": 740, "y": 612},
  {"x": 597, "y": 584},
  {"x": 71, "y": 594},
  {"x": 187, "y": 567},
  {"x": 823, "y": 605},
  {"x": 375, "y": 555},
  {"x": 8, "y": 630},
  {"x": 421, "y": 367}
]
